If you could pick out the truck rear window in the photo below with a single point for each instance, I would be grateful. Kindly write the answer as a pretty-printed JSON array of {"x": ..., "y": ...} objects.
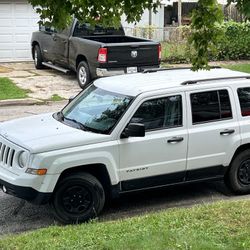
[{"x": 86, "y": 29}]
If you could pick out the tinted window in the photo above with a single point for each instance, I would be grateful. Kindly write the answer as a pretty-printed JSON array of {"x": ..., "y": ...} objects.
[
  {"x": 86, "y": 29},
  {"x": 210, "y": 106},
  {"x": 160, "y": 113},
  {"x": 244, "y": 98}
]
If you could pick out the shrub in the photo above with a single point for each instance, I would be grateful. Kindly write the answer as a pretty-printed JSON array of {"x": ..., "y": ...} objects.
[
  {"x": 236, "y": 41},
  {"x": 233, "y": 45}
]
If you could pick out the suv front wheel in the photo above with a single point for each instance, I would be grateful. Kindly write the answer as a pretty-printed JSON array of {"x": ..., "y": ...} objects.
[
  {"x": 238, "y": 176},
  {"x": 78, "y": 198}
]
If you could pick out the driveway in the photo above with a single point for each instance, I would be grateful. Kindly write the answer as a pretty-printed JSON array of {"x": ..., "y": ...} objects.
[{"x": 42, "y": 83}]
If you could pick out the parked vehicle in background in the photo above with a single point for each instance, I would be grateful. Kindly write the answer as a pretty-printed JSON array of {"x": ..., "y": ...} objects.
[
  {"x": 130, "y": 133},
  {"x": 93, "y": 51}
]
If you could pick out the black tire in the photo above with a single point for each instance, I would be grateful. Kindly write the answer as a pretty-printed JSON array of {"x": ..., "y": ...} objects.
[
  {"x": 78, "y": 198},
  {"x": 83, "y": 74},
  {"x": 38, "y": 58},
  {"x": 238, "y": 176}
]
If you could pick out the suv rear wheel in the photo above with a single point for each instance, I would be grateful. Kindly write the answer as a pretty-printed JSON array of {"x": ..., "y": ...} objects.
[
  {"x": 238, "y": 176},
  {"x": 78, "y": 198}
]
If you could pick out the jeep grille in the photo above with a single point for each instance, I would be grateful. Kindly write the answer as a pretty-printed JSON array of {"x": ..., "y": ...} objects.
[{"x": 6, "y": 155}]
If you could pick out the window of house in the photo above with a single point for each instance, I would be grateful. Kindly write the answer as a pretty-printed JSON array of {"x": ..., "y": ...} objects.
[
  {"x": 210, "y": 106},
  {"x": 160, "y": 113},
  {"x": 244, "y": 98}
]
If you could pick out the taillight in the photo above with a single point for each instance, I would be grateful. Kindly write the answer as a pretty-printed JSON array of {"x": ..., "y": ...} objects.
[
  {"x": 102, "y": 55},
  {"x": 159, "y": 52}
]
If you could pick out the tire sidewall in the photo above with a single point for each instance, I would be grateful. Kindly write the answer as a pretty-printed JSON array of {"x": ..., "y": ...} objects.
[
  {"x": 96, "y": 191},
  {"x": 38, "y": 63},
  {"x": 233, "y": 180},
  {"x": 88, "y": 77}
]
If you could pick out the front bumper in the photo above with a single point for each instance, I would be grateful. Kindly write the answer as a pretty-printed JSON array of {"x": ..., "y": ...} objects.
[
  {"x": 26, "y": 193},
  {"x": 101, "y": 72}
]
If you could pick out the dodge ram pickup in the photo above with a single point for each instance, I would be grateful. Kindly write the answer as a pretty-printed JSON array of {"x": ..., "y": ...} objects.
[{"x": 93, "y": 52}]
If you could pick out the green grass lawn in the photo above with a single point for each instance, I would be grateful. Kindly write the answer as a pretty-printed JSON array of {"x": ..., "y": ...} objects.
[
  {"x": 239, "y": 67},
  {"x": 222, "y": 225},
  {"x": 8, "y": 90}
]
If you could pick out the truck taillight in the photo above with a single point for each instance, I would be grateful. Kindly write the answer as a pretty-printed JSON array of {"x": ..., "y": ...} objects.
[
  {"x": 102, "y": 55},
  {"x": 159, "y": 52}
]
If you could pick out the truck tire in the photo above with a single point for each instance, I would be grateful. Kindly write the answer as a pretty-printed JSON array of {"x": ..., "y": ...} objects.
[
  {"x": 83, "y": 74},
  {"x": 38, "y": 58},
  {"x": 238, "y": 176},
  {"x": 78, "y": 198}
]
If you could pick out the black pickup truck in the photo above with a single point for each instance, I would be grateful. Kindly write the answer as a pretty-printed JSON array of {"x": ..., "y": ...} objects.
[{"x": 93, "y": 51}]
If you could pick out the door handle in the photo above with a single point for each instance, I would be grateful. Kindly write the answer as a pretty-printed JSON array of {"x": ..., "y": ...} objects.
[
  {"x": 227, "y": 132},
  {"x": 174, "y": 140}
]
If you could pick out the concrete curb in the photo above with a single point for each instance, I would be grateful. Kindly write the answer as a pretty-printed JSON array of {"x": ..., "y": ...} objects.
[{"x": 20, "y": 102}]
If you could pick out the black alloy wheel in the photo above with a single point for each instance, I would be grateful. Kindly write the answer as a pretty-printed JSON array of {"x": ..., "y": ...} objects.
[
  {"x": 78, "y": 198},
  {"x": 238, "y": 176},
  {"x": 244, "y": 172}
]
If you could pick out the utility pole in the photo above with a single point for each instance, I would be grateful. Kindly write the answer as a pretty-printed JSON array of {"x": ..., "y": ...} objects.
[{"x": 179, "y": 12}]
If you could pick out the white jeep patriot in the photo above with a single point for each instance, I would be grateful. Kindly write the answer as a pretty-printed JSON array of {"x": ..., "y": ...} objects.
[{"x": 127, "y": 133}]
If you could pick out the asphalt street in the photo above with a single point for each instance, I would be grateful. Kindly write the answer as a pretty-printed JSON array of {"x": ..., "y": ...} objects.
[{"x": 18, "y": 216}]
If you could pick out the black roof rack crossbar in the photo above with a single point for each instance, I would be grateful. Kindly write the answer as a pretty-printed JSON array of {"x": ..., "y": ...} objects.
[
  {"x": 214, "y": 79},
  {"x": 165, "y": 69}
]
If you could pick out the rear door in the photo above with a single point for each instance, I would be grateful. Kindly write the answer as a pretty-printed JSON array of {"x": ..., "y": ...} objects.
[{"x": 213, "y": 132}]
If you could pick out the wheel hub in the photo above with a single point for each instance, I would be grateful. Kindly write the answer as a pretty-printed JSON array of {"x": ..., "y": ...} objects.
[
  {"x": 76, "y": 200},
  {"x": 244, "y": 172},
  {"x": 82, "y": 75}
]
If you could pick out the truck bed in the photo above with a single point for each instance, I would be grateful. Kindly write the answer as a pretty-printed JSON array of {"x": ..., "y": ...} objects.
[{"x": 114, "y": 39}]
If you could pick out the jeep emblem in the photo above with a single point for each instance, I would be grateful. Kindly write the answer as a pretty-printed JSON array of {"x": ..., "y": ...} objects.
[{"x": 134, "y": 53}]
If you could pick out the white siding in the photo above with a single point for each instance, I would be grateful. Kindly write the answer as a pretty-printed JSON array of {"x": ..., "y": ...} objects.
[{"x": 17, "y": 22}]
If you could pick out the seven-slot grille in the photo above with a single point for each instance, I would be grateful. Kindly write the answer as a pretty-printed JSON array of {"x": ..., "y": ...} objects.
[{"x": 6, "y": 155}]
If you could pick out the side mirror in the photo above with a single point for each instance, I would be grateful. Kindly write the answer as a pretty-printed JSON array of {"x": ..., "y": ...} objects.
[{"x": 134, "y": 130}]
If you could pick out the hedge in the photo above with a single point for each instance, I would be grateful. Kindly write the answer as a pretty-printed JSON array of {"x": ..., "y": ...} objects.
[{"x": 234, "y": 44}]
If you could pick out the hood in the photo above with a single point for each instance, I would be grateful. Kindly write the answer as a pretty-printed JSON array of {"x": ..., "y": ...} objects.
[{"x": 41, "y": 133}]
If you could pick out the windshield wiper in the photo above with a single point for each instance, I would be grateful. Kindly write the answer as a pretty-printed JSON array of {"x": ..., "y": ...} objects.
[{"x": 80, "y": 125}]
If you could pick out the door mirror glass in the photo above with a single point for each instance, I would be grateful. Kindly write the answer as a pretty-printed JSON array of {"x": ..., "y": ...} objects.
[{"x": 134, "y": 130}]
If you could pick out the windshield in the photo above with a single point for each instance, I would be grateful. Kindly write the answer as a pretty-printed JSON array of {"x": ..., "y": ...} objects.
[{"x": 96, "y": 110}]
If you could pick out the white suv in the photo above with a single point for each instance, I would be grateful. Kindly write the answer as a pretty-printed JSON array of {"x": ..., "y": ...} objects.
[{"x": 128, "y": 133}]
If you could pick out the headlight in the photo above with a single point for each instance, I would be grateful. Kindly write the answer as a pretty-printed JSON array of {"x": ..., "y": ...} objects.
[{"x": 23, "y": 159}]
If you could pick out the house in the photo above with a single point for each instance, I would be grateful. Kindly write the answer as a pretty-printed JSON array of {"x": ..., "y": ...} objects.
[{"x": 17, "y": 22}]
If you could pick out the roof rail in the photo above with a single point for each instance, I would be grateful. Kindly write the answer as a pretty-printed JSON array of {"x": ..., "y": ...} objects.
[
  {"x": 214, "y": 79},
  {"x": 166, "y": 69}
]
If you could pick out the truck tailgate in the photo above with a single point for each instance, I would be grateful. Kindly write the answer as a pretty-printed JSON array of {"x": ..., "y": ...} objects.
[{"x": 132, "y": 54}]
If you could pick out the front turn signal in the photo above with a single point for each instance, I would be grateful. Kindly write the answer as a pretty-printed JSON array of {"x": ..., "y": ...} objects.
[{"x": 34, "y": 171}]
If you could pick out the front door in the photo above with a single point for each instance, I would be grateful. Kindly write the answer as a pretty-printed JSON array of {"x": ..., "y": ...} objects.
[{"x": 159, "y": 158}]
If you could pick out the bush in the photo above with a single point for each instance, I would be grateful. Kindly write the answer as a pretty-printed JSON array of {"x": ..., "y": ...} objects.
[
  {"x": 233, "y": 45},
  {"x": 236, "y": 41}
]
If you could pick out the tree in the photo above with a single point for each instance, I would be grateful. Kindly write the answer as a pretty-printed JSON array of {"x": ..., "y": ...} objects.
[
  {"x": 107, "y": 12},
  {"x": 205, "y": 30},
  {"x": 205, "y": 19}
]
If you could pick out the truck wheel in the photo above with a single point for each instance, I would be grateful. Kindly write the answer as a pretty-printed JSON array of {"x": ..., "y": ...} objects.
[
  {"x": 38, "y": 58},
  {"x": 83, "y": 74},
  {"x": 238, "y": 176},
  {"x": 78, "y": 198}
]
